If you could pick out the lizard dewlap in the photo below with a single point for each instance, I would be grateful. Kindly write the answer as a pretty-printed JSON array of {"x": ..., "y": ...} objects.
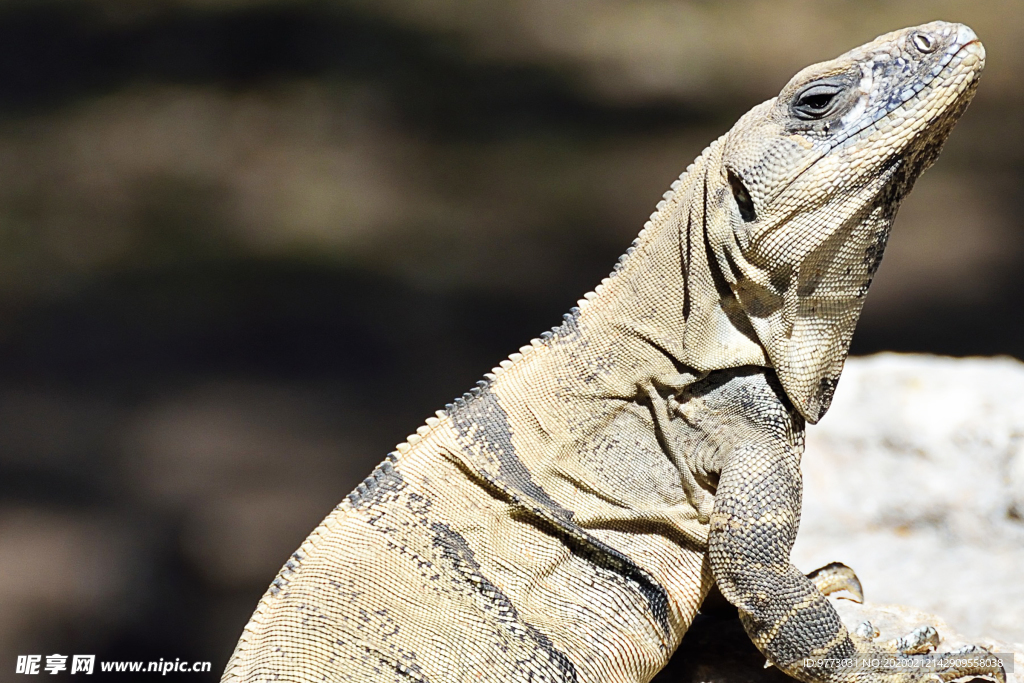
[{"x": 564, "y": 519}]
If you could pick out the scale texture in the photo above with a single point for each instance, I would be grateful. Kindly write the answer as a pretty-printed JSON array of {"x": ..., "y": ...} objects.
[{"x": 564, "y": 520}]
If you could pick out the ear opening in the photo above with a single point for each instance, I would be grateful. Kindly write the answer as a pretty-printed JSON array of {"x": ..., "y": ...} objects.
[{"x": 743, "y": 201}]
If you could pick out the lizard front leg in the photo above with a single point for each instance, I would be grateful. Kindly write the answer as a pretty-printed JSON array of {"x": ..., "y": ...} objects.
[{"x": 753, "y": 526}]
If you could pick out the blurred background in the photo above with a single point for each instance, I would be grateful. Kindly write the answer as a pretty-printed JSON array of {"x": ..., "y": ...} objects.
[{"x": 247, "y": 246}]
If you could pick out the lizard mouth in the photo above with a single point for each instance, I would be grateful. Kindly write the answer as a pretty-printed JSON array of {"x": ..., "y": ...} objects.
[{"x": 943, "y": 69}]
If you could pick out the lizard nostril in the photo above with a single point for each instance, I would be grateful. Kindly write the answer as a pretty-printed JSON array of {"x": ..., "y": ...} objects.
[{"x": 923, "y": 42}]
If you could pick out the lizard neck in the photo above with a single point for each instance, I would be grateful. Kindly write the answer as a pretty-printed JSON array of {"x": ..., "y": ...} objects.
[{"x": 665, "y": 309}]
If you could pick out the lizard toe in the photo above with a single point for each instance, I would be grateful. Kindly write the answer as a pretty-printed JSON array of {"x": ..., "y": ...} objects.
[{"x": 921, "y": 639}]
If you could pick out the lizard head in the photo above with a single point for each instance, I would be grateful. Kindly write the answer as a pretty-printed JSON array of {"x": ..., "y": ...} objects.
[{"x": 810, "y": 185}]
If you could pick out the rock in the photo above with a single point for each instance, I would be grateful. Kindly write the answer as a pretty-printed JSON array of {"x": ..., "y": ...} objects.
[
  {"x": 915, "y": 478},
  {"x": 895, "y": 621}
]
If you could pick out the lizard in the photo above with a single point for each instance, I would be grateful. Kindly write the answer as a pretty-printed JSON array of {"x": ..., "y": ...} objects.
[{"x": 564, "y": 520}]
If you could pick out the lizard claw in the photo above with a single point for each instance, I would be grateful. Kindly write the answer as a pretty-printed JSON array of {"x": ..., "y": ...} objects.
[{"x": 835, "y": 577}]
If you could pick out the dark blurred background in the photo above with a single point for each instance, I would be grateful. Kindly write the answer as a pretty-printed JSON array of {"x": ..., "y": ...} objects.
[{"x": 247, "y": 246}]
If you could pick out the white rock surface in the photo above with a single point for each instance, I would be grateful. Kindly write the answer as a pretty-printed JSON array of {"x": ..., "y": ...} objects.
[
  {"x": 915, "y": 478},
  {"x": 895, "y": 621}
]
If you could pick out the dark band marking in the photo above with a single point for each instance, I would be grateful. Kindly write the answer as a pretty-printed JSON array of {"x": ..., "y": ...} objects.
[
  {"x": 407, "y": 670},
  {"x": 809, "y": 630},
  {"x": 555, "y": 665},
  {"x": 483, "y": 427},
  {"x": 485, "y": 431}
]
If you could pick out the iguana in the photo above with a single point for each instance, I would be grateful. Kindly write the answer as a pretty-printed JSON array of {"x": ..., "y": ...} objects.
[{"x": 564, "y": 520}]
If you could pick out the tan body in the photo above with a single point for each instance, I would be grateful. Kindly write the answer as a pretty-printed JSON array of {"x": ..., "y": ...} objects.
[{"x": 565, "y": 520}]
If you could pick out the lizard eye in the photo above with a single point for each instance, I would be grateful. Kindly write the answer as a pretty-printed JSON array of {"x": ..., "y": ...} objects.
[
  {"x": 923, "y": 42},
  {"x": 816, "y": 101}
]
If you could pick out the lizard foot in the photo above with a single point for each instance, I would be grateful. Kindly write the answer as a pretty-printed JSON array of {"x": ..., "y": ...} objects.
[
  {"x": 939, "y": 667},
  {"x": 921, "y": 639},
  {"x": 874, "y": 664},
  {"x": 836, "y": 577}
]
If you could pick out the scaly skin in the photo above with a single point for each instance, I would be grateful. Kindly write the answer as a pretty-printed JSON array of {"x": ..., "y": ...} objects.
[{"x": 564, "y": 521}]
